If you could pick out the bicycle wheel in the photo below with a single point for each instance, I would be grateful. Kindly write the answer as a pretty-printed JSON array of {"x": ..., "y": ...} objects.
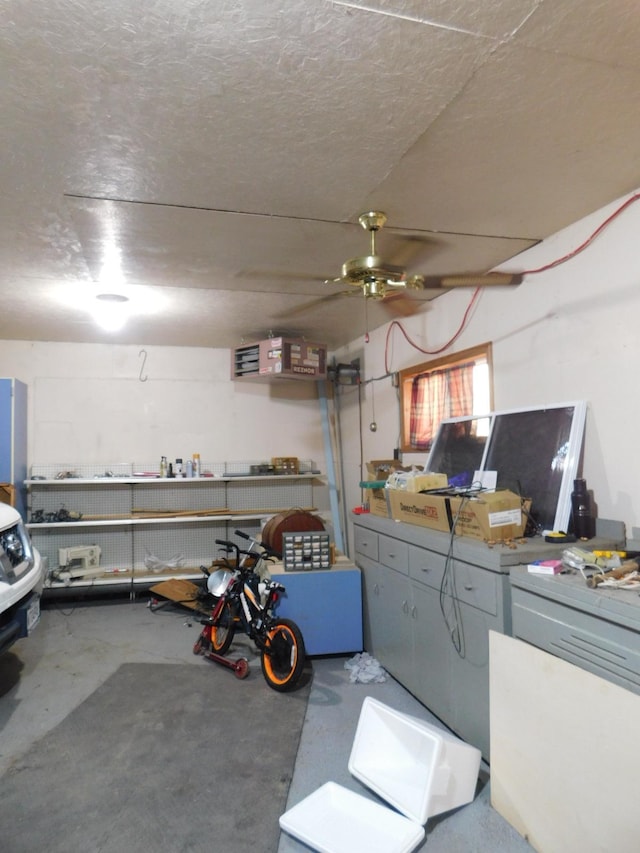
[
  {"x": 283, "y": 656},
  {"x": 222, "y": 632}
]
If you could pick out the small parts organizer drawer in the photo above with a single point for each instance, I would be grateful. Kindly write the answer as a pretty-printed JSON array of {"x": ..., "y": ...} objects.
[{"x": 304, "y": 551}]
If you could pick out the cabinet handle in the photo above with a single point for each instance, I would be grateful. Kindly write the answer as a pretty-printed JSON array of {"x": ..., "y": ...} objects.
[
  {"x": 425, "y": 569},
  {"x": 414, "y": 612},
  {"x": 469, "y": 587},
  {"x": 405, "y": 606},
  {"x": 376, "y": 589}
]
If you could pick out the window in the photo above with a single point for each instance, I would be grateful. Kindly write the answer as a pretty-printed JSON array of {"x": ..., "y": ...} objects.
[{"x": 447, "y": 387}]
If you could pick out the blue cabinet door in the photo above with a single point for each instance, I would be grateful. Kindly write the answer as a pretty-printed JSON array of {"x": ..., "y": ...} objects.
[
  {"x": 326, "y": 606},
  {"x": 13, "y": 438}
]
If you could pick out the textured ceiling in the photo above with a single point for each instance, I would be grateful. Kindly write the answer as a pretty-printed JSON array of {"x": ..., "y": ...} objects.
[{"x": 210, "y": 160}]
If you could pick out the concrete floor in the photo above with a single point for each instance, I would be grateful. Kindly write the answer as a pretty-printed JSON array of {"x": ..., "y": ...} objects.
[{"x": 78, "y": 645}]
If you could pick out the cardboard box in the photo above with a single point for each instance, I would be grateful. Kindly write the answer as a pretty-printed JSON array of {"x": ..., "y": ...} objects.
[
  {"x": 417, "y": 482},
  {"x": 489, "y": 516},
  {"x": 377, "y": 502},
  {"x": 378, "y": 470},
  {"x": 7, "y": 494},
  {"x": 426, "y": 510}
]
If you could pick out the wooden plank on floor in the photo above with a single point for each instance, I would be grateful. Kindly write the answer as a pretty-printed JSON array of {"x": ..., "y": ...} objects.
[
  {"x": 180, "y": 591},
  {"x": 564, "y": 754}
]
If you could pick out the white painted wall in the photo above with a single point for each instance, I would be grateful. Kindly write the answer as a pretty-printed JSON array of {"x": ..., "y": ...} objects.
[
  {"x": 87, "y": 404},
  {"x": 572, "y": 333}
]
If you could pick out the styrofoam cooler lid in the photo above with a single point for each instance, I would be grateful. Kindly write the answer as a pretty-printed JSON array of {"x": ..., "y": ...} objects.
[
  {"x": 420, "y": 769},
  {"x": 334, "y": 819}
]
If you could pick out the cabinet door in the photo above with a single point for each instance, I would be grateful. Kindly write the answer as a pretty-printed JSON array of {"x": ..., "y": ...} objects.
[
  {"x": 431, "y": 677},
  {"x": 470, "y": 677},
  {"x": 394, "y": 629},
  {"x": 13, "y": 439},
  {"x": 372, "y": 605}
]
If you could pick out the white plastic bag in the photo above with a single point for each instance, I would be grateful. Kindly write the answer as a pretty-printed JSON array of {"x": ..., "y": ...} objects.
[
  {"x": 154, "y": 564},
  {"x": 365, "y": 669}
]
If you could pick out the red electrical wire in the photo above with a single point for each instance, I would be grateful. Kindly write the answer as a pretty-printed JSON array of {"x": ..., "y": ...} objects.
[
  {"x": 465, "y": 318},
  {"x": 625, "y": 204},
  {"x": 631, "y": 200}
]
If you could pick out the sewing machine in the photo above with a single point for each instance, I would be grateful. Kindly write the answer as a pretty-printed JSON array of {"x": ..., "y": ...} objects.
[{"x": 79, "y": 561}]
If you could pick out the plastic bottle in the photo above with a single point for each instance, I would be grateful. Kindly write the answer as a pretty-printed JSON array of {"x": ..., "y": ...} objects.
[
  {"x": 177, "y": 470},
  {"x": 584, "y": 523},
  {"x": 189, "y": 468},
  {"x": 196, "y": 464},
  {"x": 163, "y": 466}
]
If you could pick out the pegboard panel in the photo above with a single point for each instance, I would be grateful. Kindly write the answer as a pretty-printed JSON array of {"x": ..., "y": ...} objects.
[
  {"x": 250, "y": 526},
  {"x": 180, "y": 495},
  {"x": 211, "y": 469},
  {"x": 195, "y": 543},
  {"x": 93, "y": 501},
  {"x": 69, "y": 470},
  {"x": 271, "y": 495},
  {"x": 259, "y": 466},
  {"x": 114, "y": 542}
]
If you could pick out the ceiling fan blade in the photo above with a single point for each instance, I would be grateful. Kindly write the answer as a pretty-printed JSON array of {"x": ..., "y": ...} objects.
[
  {"x": 315, "y": 303},
  {"x": 400, "y": 303},
  {"x": 410, "y": 250},
  {"x": 446, "y": 282},
  {"x": 278, "y": 275}
]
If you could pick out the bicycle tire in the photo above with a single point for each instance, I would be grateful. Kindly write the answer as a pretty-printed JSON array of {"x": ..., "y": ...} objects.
[
  {"x": 223, "y": 631},
  {"x": 283, "y": 657}
]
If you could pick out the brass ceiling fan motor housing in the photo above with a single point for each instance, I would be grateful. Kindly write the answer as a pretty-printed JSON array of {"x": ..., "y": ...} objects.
[{"x": 370, "y": 272}]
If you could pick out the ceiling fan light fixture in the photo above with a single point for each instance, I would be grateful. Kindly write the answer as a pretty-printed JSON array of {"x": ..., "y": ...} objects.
[{"x": 374, "y": 288}]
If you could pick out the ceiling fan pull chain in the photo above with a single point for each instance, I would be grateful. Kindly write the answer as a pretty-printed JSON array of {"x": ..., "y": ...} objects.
[{"x": 373, "y": 426}]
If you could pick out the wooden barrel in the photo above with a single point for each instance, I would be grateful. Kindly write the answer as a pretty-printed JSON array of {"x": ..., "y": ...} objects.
[{"x": 289, "y": 521}]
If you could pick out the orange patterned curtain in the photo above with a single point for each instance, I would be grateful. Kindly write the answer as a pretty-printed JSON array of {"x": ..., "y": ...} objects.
[{"x": 436, "y": 395}]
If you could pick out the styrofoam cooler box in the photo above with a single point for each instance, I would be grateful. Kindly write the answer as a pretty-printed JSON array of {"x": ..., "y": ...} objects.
[{"x": 418, "y": 768}]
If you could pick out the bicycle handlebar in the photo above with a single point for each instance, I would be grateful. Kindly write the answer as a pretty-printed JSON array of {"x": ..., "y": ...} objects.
[{"x": 267, "y": 552}]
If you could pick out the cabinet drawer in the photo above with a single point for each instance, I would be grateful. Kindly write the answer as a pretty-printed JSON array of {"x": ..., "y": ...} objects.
[
  {"x": 366, "y": 542},
  {"x": 426, "y": 566},
  {"x": 608, "y": 650},
  {"x": 394, "y": 553},
  {"x": 474, "y": 586},
  {"x": 477, "y": 587}
]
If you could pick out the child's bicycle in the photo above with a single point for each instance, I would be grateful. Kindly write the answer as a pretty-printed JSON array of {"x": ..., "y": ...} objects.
[{"x": 241, "y": 601}]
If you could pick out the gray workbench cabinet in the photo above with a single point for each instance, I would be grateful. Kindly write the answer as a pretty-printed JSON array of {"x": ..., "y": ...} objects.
[
  {"x": 444, "y": 662},
  {"x": 595, "y": 629}
]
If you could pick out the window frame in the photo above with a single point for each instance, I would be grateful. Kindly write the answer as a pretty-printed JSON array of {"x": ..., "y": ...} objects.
[{"x": 407, "y": 375}]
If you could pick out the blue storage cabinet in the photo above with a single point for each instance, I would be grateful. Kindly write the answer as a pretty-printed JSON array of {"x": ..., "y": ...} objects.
[
  {"x": 13, "y": 438},
  {"x": 326, "y": 605}
]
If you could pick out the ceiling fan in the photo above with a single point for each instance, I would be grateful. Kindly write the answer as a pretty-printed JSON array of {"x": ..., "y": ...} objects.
[{"x": 372, "y": 277}]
